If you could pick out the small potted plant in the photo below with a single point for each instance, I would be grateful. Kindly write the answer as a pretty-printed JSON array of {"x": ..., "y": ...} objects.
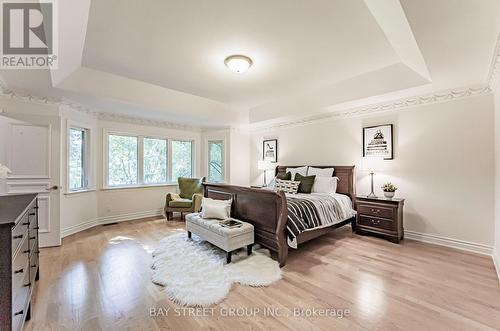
[{"x": 389, "y": 190}]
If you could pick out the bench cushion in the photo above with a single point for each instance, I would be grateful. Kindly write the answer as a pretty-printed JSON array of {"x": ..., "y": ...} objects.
[{"x": 228, "y": 239}]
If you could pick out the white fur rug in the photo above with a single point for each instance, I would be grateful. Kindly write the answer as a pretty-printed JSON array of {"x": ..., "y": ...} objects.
[{"x": 195, "y": 273}]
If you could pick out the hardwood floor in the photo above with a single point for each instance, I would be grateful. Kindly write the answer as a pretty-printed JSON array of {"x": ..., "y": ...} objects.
[{"x": 99, "y": 279}]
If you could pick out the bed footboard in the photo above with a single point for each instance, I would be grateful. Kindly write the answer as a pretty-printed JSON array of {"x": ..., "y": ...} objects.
[{"x": 265, "y": 210}]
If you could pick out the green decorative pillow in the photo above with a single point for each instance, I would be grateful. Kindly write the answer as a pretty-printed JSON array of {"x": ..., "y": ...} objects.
[
  {"x": 306, "y": 183},
  {"x": 287, "y": 176},
  {"x": 190, "y": 186}
]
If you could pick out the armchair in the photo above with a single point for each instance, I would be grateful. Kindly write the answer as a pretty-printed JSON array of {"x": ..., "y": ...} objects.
[{"x": 188, "y": 200}]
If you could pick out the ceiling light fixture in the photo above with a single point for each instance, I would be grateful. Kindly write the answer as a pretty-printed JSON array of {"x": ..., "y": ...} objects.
[{"x": 238, "y": 63}]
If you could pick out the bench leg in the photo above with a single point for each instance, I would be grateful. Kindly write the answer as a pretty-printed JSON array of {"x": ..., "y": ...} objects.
[
  {"x": 189, "y": 234},
  {"x": 228, "y": 257},
  {"x": 249, "y": 249}
]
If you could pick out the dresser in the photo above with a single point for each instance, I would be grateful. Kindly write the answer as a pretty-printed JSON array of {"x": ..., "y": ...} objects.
[
  {"x": 381, "y": 217},
  {"x": 19, "y": 252}
]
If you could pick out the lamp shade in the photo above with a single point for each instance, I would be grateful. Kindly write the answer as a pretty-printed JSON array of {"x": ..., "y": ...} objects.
[
  {"x": 4, "y": 171},
  {"x": 265, "y": 165},
  {"x": 373, "y": 164}
]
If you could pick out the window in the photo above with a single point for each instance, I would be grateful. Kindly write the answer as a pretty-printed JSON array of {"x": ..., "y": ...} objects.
[
  {"x": 155, "y": 161},
  {"x": 77, "y": 159},
  {"x": 182, "y": 159},
  {"x": 122, "y": 160},
  {"x": 136, "y": 160},
  {"x": 215, "y": 165}
]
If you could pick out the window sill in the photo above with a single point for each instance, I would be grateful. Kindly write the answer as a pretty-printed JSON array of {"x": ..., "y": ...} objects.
[
  {"x": 79, "y": 191},
  {"x": 131, "y": 187}
]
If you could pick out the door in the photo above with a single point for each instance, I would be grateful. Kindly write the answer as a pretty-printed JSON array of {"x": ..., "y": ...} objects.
[{"x": 31, "y": 150}]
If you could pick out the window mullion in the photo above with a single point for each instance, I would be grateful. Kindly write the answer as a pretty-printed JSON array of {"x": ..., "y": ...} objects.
[{"x": 140, "y": 161}]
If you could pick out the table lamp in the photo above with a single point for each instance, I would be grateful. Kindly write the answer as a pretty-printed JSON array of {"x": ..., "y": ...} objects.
[
  {"x": 265, "y": 166},
  {"x": 372, "y": 165}
]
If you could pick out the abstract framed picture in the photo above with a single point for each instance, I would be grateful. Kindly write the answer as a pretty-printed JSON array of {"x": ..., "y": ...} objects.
[
  {"x": 270, "y": 150},
  {"x": 378, "y": 141}
]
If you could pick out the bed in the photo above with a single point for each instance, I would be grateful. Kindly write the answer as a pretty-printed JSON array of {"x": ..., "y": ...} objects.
[{"x": 268, "y": 210}]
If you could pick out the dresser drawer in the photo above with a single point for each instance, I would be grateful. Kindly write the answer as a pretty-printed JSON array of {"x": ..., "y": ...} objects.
[
  {"x": 375, "y": 222},
  {"x": 19, "y": 302},
  {"x": 33, "y": 267},
  {"x": 20, "y": 266},
  {"x": 377, "y": 211},
  {"x": 19, "y": 232}
]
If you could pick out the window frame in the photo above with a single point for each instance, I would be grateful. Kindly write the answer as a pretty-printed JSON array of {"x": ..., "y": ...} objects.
[
  {"x": 170, "y": 149},
  {"x": 140, "y": 161},
  {"x": 223, "y": 151},
  {"x": 87, "y": 157}
]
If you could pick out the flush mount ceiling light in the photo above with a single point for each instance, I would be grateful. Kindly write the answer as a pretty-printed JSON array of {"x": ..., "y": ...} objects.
[{"x": 238, "y": 63}]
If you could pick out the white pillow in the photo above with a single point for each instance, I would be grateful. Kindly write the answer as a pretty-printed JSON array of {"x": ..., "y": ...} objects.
[
  {"x": 219, "y": 209},
  {"x": 319, "y": 172},
  {"x": 325, "y": 185},
  {"x": 299, "y": 170}
]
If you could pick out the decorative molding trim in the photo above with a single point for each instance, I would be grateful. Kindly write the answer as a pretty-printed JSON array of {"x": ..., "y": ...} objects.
[
  {"x": 449, "y": 242},
  {"x": 496, "y": 261},
  {"x": 128, "y": 217},
  {"x": 396, "y": 104},
  {"x": 77, "y": 228},
  {"x": 109, "y": 219},
  {"x": 494, "y": 73},
  {"x": 74, "y": 106}
]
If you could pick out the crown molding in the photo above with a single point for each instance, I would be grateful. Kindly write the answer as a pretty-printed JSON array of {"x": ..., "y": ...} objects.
[
  {"x": 494, "y": 73},
  {"x": 391, "y": 105},
  {"x": 66, "y": 104}
]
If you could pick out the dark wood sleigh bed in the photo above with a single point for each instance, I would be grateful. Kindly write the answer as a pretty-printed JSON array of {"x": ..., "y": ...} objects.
[{"x": 267, "y": 210}]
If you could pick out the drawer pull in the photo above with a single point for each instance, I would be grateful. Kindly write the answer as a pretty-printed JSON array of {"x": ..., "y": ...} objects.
[
  {"x": 18, "y": 271},
  {"x": 32, "y": 214},
  {"x": 26, "y": 223},
  {"x": 33, "y": 238},
  {"x": 375, "y": 211},
  {"x": 27, "y": 251},
  {"x": 375, "y": 222},
  {"x": 19, "y": 312},
  {"x": 36, "y": 227},
  {"x": 18, "y": 237},
  {"x": 27, "y": 285},
  {"x": 34, "y": 266}
]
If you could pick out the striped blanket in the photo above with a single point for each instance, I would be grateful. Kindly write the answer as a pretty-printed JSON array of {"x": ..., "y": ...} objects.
[{"x": 313, "y": 211}]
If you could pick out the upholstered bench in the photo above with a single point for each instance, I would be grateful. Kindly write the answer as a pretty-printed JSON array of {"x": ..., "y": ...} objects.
[{"x": 228, "y": 239}]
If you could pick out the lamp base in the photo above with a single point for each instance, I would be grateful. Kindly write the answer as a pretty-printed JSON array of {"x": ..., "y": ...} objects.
[{"x": 371, "y": 195}]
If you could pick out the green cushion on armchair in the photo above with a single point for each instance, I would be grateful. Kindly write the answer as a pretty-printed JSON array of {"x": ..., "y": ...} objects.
[
  {"x": 181, "y": 203},
  {"x": 190, "y": 186}
]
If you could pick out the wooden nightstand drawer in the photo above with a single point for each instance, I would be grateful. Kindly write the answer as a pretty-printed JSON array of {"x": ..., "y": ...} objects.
[
  {"x": 375, "y": 222},
  {"x": 377, "y": 211}
]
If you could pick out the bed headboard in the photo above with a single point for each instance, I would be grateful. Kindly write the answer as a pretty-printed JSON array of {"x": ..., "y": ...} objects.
[{"x": 346, "y": 174}]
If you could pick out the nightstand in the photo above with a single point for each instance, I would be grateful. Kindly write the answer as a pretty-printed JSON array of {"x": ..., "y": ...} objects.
[{"x": 380, "y": 216}]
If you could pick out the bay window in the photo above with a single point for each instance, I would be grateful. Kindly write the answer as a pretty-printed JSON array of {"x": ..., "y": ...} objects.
[{"x": 136, "y": 160}]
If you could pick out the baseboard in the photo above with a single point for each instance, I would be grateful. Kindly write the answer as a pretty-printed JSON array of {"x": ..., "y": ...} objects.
[
  {"x": 109, "y": 219},
  {"x": 77, "y": 228},
  {"x": 129, "y": 216},
  {"x": 449, "y": 242},
  {"x": 496, "y": 261}
]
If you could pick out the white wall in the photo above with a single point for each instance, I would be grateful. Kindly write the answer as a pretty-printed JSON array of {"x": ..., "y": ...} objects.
[{"x": 443, "y": 162}]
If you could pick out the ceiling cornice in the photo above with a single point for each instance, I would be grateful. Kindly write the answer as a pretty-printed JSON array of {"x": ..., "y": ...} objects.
[
  {"x": 103, "y": 116},
  {"x": 392, "y": 105}
]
